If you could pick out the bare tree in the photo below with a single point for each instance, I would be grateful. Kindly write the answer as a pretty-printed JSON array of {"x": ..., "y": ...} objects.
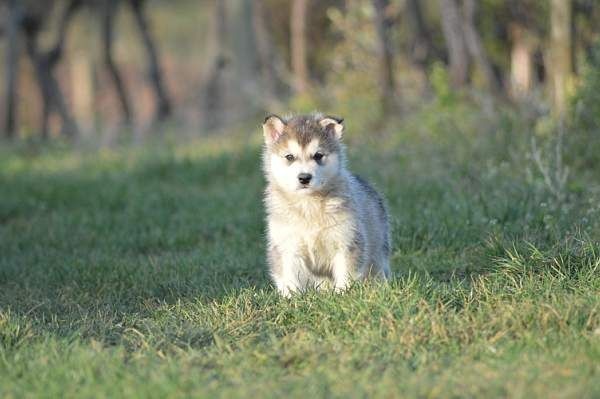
[
  {"x": 44, "y": 62},
  {"x": 421, "y": 49},
  {"x": 521, "y": 60},
  {"x": 163, "y": 104},
  {"x": 267, "y": 57},
  {"x": 387, "y": 81},
  {"x": 109, "y": 12},
  {"x": 452, "y": 27},
  {"x": 298, "y": 18},
  {"x": 464, "y": 43},
  {"x": 561, "y": 65},
  {"x": 524, "y": 40},
  {"x": 475, "y": 46},
  {"x": 243, "y": 72},
  {"x": 15, "y": 14},
  {"x": 214, "y": 87}
]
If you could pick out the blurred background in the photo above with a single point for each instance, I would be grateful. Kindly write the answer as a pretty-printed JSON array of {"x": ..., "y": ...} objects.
[{"x": 105, "y": 69}]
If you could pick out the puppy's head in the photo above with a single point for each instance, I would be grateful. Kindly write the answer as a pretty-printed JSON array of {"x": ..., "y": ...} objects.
[{"x": 303, "y": 154}]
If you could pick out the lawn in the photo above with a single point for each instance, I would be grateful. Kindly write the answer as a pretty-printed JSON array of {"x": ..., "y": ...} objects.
[{"x": 140, "y": 270}]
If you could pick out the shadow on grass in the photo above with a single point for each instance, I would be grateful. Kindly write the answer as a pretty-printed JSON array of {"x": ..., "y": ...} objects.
[{"x": 77, "y": 242}]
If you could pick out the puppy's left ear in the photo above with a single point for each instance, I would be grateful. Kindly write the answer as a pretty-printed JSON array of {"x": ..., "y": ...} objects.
[{"x": 333, "y": 125}]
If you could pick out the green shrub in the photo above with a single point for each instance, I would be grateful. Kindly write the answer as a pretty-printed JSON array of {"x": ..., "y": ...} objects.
[{"x": 585, "y": 115}]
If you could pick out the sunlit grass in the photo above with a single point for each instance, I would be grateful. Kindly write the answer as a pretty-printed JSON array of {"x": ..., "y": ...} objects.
[{"x": 139, "y": 271}]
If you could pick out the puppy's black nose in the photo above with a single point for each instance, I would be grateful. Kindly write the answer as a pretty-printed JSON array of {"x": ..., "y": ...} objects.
[{"x": 304, "y": 178}]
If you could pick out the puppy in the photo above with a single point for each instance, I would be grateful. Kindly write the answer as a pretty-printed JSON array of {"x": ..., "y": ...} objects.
[{"x": 326, "y": 226}]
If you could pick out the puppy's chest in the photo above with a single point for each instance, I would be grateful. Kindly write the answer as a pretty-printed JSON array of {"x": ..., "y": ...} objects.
[{"x": 316, "y": 240}]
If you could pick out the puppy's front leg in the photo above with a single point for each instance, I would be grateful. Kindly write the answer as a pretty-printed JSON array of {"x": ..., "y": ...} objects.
[
  {"x": 344, "y": 269},
  {"x": 293, "y": 276}
]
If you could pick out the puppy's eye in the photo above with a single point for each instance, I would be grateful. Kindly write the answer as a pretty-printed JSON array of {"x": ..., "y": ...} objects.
[
  {"x": 318, "y": 156},
  {"x": 289, "y": 157}
]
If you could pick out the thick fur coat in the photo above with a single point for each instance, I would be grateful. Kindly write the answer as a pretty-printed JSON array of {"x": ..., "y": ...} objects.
[{"x": 326, "y": 226}]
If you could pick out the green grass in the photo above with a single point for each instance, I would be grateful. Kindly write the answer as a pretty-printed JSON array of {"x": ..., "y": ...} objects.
[{"x": 141, "y": 272}]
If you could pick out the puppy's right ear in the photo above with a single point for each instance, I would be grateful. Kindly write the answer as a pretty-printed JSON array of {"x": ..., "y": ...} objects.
[{"x": 272, "y": 128}]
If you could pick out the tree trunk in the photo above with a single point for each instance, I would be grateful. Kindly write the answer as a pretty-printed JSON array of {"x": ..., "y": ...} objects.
[
  {"x": 12, "y": 67},
  {"x": 560, "y": 52},
  {"x": 214, "y": 88},
  {"x": 387, "y": 82},
  {"x": 44, "y": 64},
  {"x": 475, "y": 46},
  {"x": 52, "y": 97},
  {"x": 243, "y": 46},
  {"x": 266, "y": 54},
  {"x": 452, "y": 28},
  {"x": 163, "y": 104},
  {"x": 298, "y": 45},
  {"x": 422, "y": 46},
  {"x": 521, "y": 61},
  {"x": 108, "y": 18},
  {"x": 81, "y": 76}
]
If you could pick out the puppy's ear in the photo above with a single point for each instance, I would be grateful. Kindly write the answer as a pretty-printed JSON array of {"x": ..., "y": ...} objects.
[
  {"x": 272, "y": 128},
  {"x": 333, "y": 125}
]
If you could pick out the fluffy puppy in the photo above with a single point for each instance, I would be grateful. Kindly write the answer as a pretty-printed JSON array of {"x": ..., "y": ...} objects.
[{"x": 326, "y": 226}]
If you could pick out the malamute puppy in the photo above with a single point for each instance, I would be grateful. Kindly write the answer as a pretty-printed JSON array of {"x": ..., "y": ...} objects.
[{"x": 326, "y": 226}]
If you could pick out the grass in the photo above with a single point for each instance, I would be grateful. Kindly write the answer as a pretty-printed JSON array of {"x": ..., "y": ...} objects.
[{"x": 140, "y": 272}]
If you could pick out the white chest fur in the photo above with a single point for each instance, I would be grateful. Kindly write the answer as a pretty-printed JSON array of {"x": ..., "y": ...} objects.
[{"x": 309, "y": 236}]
